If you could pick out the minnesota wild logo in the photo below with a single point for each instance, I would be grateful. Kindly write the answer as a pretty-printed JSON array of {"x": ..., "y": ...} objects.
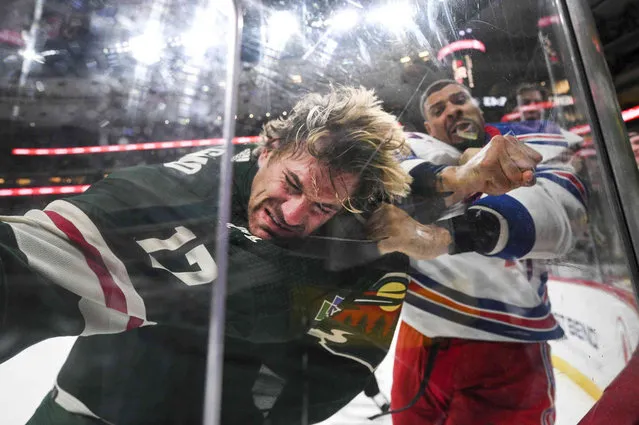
[{"x": 329, "y": 308}]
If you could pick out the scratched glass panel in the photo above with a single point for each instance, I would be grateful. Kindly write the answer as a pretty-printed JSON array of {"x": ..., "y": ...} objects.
[
  {"x": 110, "y": 95},
  {"x": 513, "y": 60},
  {"x": 523, "y": 313}
]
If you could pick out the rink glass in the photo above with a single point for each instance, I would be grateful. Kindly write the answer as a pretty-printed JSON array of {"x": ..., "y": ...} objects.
[{"x": 91, "y": 87}]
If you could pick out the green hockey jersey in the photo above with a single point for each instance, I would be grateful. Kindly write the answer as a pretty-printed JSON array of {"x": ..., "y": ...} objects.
[{"x": 128, "y": 266}]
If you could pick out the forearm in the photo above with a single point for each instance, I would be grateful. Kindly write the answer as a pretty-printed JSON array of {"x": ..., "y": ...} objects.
[{"x": 424, "y": 243}]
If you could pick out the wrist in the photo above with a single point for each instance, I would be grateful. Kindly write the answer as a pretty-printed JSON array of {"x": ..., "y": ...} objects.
[
  {"x": 384, "y": 247},
  {"x": 447, "y": 180},
  {"x": 433, "y": 241},
  {"x": 454, "y": 182},
  {"x": 478, "y": 230}
]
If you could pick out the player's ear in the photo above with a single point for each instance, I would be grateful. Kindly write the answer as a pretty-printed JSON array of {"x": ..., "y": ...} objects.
[
  {"x": 270, "y": 146},
  {"x": 262, "y": 160},
  {"x": 427, "y": 127}
]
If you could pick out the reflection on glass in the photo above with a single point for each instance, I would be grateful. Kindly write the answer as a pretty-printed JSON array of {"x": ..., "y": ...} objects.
[
  {"x": 89, "y": 89},
  {"x": 509, "y": 275}
]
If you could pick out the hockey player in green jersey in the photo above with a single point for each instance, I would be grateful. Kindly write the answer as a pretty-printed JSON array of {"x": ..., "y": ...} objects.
[{"x": 135, "y": 253}]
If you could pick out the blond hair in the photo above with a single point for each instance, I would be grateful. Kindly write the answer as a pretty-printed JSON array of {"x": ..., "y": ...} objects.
[{"x": 348, "y": 130}]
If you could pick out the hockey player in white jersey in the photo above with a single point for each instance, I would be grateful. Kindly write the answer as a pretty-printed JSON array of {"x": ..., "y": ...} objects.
[{"x": 472, "y": 347}]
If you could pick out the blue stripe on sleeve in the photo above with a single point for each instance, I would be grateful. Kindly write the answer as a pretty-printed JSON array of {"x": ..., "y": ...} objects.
[
  {"x": 546, "y": 142},
  {"x": 551, "y": 169},
  {"x": 521, "y": 227}
]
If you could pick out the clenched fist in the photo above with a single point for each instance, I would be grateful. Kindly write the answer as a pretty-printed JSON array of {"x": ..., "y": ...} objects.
[
  {"x": 396, "y": 231},
  {"x": 502, "y": 165}
]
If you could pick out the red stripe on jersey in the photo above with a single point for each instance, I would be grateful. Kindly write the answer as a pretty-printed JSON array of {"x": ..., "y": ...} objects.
[
  {"x": 113, "y": 295},
  {"x": 573, "y": 180},
  {"x": 491, "y": 131},
  {"x": 134, "y": 322},
  {"x": 551, "y": 136}
]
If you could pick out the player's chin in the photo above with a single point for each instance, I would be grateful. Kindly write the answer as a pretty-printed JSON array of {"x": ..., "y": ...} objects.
[
  {"x": 257, "y": 229},
  {"x": 262, "y": 233},
  {"x": 266, "y": 231}
]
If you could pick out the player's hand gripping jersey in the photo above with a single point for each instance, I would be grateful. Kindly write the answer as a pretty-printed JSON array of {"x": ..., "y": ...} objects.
[
  {"x": 136, "y": 253},
  {"x": 493, "y": 297}
]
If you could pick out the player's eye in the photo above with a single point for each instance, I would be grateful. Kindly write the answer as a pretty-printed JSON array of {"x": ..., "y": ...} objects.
[
  {"x": 437, "y": 110},
  {"x": 291, "y": 185},
  {"x": 459, "y": 98},
  {"x": 324, "y": 209}
]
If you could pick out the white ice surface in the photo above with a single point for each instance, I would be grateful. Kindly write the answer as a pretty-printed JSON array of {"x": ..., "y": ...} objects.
[{"x": 28, "y": 377}]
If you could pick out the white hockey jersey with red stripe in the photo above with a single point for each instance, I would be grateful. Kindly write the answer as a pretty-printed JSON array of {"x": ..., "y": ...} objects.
[{"x": 502, "y": 297}]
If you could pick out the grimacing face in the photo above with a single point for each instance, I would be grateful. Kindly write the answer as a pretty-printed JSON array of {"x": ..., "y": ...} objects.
[
  {"x": 452, "y": 117},
  {"x": 293, "y": 195}
]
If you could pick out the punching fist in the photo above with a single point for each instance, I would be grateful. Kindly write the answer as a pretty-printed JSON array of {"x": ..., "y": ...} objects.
[
  {"x": 502, "y": 165},
  {"x": 396, "y": 231}
]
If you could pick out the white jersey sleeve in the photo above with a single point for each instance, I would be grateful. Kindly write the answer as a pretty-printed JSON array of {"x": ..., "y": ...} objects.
[
  {"x": 426, "y": 148},
  {"x": 538, "y": 222}
]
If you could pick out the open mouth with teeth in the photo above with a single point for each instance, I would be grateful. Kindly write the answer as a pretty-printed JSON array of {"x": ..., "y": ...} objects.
[
  {"x": 276, "y": 225},
  {"x": 465, "y": 130}
]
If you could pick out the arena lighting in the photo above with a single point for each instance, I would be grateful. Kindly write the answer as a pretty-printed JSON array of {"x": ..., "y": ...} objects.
[
  {"x": 32, "y": 55},
  {"x": 45, "y": 190},
  {"x": 546, "y": 21},
  {"x": 11, "y": 37},
  {"x": 147, "y": 48},
  {"x": 202, "y": 33},
  {"x": 196, "y": 41},
  {"x": 510, "y": 117},
  {"x": 456, "y": 46},
  {"x": 132, "y": 147},
  {"x": 394, "y": 16},
  {"x": 281, "y": 26},
  {"x": 630, "y": 114},
  {"x": 344, "y": 20},
  {"x": 627, "y": 115}
]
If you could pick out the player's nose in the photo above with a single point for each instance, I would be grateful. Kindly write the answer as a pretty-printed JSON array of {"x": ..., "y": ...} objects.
[
  {"x": 295, "y": 210},
  {"x": 453, "y": 111}
]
